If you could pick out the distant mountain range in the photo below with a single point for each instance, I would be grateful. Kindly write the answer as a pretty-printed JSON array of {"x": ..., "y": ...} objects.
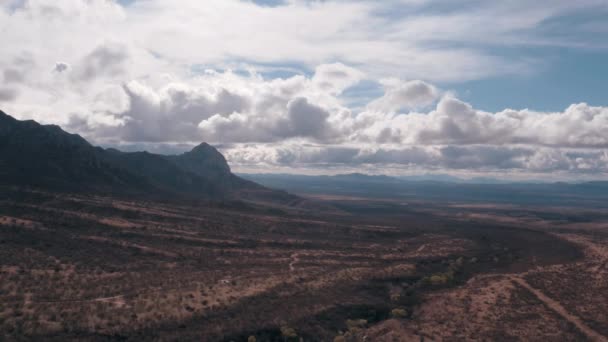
[
  {"x": 446, "y": 189},
  {"x": 45, "y": 156},
  {"x": 421, "y": 178},
  {"x": 433, "y": 178}
]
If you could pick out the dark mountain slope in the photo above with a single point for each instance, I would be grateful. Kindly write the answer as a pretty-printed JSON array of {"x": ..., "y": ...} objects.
[
  {"x": 163, "y": 174},
  {"x": 205, "y": 161},
  {"x": 46, "y": 156},
  {"x": 205, "y": 158}
]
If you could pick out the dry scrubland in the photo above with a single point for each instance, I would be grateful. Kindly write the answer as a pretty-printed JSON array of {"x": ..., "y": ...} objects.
[{"x": 100, "y": 268}]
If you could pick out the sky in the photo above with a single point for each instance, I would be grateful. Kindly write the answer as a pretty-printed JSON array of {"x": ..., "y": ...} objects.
[{"x": 512, "y": 89}]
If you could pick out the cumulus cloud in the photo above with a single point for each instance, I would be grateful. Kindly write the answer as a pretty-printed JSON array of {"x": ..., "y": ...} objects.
[
  {"x": 306, "y": 120},
  {"x": 298, "y": 119},
  {"x": 172, "y": 113},
  {"x": 224, "y": 107},
  {"x": 404, "y": 95},
  {"x": 456, "y": 122}
]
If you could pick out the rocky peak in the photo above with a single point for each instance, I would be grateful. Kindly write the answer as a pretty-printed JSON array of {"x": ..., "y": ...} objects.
[{"x": 204, "y": 157}]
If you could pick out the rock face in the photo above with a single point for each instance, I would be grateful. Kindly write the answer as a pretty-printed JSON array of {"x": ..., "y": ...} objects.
[
  {"x": 46, "y": 156},
  {"x": 203, "y": 159}
]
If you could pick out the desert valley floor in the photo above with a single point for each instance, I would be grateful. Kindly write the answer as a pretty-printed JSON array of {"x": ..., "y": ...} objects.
[{"x": 99, "y": 268}]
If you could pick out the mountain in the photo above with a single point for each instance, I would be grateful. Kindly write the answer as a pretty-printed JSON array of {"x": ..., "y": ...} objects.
[
  {"x": 203, "y": 157},
  {"x": 431, "y": 178},
  {"x": 361, "y": 177},
  {"x": 45, "y": 156},
  {"x": 588, "y": 194},
  {"x": 207, "y": 162},
  {"x": 164, "y": 175}
]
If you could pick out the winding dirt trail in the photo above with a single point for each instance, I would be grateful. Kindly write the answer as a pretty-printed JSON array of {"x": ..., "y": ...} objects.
[
  {"x": 560, "y": 310},
  {"x": 421, "y": 248},
  {"x": 100, "y": 299}
]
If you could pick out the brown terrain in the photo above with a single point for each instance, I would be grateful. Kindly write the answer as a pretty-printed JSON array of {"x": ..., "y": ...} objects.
[{"x": 99, "y": 268}]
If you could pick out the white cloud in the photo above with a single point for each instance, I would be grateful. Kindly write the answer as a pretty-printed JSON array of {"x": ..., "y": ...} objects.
[
  {"x": 106, "y": 60},
  {"x": 173, "y": 36},
  {"x": 400, "y": 95},
  {"x": 13, "y": 76},
  {"x": 470, "y": 159},
  {"x": 297, "y": 118},
  {"x": 335, "y": 78},
  {"x": 456, "y": 122}
]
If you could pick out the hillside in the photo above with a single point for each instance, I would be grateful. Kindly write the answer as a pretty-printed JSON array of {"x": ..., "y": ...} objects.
[{"x": 45, "y": 156}]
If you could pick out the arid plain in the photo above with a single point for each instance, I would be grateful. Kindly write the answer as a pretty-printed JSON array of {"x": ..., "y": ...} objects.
[{"x": 97, "y": 268}]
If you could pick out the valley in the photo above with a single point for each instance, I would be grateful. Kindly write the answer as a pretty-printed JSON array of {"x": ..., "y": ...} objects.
[{"x": 98, "y": 268}]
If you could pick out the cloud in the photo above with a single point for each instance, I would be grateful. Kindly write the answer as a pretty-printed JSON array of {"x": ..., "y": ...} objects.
[
  {"x": 105, "y": 60},
  {"x": 335, "y": 78},
  {"x": 456, "y": 122},
  {"x": 156, "y": 72},
  {"x": 306, "y": 120},
  {"x": 13, "y": 76},
  {"x": 226, "y": 107},
  {"x": 298, "y": 119},
  {"x": 171, "y": 113},
  {"x": 435, "y": 45},
  {"x": 399, "y": 95},
  {"x": 8, "y": 94},
  {"x": 475, "y": 158}
]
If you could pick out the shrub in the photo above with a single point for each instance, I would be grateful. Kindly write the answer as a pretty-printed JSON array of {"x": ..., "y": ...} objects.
[
  {"x": 399, "y": 313},
  {"x": 288, "y": 333},
  {"x": 437, "y": 279},
  {"x": 356, "y": 324},
  {"x": 442, "y": 278}
]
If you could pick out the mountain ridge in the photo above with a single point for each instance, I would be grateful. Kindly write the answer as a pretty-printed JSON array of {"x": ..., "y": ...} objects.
[{"x": 46, "y": 156}]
